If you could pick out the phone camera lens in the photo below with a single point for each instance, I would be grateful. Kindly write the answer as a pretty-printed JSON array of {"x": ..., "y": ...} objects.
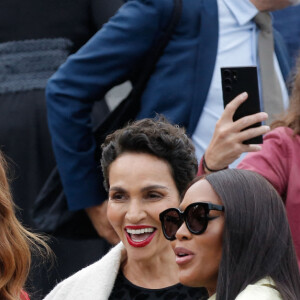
[
  {"x": 228, "y": 81},
  {"x": 227, "y": 73},
  {"x": 228, "y": 88}
]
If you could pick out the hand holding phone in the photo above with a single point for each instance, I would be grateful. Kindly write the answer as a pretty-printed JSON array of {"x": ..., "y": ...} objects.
[{"x": 227, "y": 144}]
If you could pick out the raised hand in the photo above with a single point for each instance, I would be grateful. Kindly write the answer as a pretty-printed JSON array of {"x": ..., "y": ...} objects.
[{"x": 226, "y": 144}]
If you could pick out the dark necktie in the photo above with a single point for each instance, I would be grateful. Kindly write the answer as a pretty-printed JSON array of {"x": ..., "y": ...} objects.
[{"x": 271, "y": 91}]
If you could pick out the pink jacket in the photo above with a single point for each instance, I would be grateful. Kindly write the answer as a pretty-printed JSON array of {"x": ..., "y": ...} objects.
[{"x": 279, "y": 162}]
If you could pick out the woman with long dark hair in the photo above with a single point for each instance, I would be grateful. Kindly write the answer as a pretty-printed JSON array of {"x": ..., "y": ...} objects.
[
  {"x": 277, "y": 159},
  {"x": 231, "y": 235}
]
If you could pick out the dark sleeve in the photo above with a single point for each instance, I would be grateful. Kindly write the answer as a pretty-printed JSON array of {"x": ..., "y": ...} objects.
[{"x": 104, "y": 61}]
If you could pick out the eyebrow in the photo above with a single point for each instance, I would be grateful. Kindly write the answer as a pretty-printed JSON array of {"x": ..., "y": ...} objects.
[
  {"x": 154, "y": 187},
  {"x": 147, "y": 188},
  {"x": 116, "y": 189}
]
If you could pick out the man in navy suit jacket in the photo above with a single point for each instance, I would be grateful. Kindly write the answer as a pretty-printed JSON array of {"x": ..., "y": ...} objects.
[
  {"x": 287, "y": 22},
  {"x": 178, "y": 87}
]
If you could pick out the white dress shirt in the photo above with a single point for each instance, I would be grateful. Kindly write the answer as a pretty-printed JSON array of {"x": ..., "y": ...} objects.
[{"x": 237, "y": 46}]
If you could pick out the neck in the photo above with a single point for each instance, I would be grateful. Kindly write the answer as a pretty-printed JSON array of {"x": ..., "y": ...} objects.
[
  {"x": 157, "y": 272},
  {"x": 211, "y": 291}
]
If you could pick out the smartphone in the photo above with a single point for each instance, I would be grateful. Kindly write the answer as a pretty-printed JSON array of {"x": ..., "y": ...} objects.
[{"x": 236, "y": 80}]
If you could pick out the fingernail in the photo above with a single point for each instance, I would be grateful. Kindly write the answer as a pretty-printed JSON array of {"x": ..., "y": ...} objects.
[
  {"x": 244, "y": 95},
  {"x": 267, "y": 127},
  {"x": 257, "y": 147}
]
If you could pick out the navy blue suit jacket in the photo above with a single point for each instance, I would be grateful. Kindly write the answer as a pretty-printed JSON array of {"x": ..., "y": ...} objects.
[
  {"x": 178, "y": 87},
  {"x": 287, "y": 22}
]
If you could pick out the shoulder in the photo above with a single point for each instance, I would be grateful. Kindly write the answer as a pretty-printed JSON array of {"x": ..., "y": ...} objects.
[
  {"x": 280, "y": 132},
  {"x": 90, "y": 281},
  {"x": 264, "y": 289},
  {"x": 276, "y": 152},
  {"x": 162, "y": 7},
  {"x": 138, "y": 16},
  {"x": 282, "y": 137}
]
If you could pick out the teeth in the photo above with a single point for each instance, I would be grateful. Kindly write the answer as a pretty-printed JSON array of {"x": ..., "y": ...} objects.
[{"x": 140, "y": 231}]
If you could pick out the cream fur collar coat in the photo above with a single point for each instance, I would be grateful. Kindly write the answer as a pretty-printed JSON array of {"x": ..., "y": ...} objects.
[{"x": 94, "y": 282}]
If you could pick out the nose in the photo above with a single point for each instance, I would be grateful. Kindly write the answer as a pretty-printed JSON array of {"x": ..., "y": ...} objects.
[
  {"x": 135, "y": 212},
  {"x": 183, "y": 233}
]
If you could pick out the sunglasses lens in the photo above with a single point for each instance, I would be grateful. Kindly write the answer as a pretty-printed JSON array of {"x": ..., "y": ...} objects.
[
  {"x": 171, "y": 223},
  {"x": 196, "y": 218}
]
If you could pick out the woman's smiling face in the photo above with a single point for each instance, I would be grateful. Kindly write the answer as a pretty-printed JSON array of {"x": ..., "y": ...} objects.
[{"x": 141, "y": 186}]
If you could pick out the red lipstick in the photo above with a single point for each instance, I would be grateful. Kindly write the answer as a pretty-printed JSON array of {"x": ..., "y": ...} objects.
[{"x": 147, "y": 234}]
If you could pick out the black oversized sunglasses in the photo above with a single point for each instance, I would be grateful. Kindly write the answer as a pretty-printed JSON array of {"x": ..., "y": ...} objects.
[{"x": 195, "y": 216}]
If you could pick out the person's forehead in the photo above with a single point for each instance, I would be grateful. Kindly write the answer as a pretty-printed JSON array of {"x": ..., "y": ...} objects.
[
  {"x": 201, "y": 191},
  {"x": 140, "y": 170}
]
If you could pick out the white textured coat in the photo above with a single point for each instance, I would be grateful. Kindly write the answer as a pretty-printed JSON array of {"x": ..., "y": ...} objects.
[
  {"x": 94, "y": 282},
  {"x": 264, "y": 289}
]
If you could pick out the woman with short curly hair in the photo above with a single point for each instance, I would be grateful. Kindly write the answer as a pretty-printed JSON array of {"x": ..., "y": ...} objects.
[{"x": 146, "y": 165}]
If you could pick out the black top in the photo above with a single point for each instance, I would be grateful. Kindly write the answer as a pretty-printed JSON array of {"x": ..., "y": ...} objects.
[
  {"x": 76, "y": 20},
  {"x": 125, "y": 290}
]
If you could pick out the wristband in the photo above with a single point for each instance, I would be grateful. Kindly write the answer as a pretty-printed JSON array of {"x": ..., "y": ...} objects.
[{"x": 204, "y": 166}]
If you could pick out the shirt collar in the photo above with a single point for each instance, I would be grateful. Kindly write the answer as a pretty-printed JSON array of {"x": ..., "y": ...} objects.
[{"x": 243, "y": 10}]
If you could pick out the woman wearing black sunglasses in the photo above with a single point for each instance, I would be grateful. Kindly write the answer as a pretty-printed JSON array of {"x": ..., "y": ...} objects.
[{"x": 231, "y": 235}]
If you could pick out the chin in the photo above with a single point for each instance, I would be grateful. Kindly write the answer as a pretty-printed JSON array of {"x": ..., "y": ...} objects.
[
  {"x": 189, "y": 280},
  {"x": 140, "y": 253}
]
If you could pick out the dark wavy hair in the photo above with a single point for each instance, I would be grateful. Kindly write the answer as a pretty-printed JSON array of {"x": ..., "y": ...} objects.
[
  {"x": 256, "y": 241},
  {"x": 157, "y": 137}
]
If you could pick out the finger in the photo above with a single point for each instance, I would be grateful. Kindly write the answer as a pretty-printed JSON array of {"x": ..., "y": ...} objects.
[
  {"x": 253, "y": 132},
  {"x": 249, "y": 148},
  {"x": 252, "y": 148},
  {"x": 233, "y": 105},
  {"x": 250, "y": 120}
]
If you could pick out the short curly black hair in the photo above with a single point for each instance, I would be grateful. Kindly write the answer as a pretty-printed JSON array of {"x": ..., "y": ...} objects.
[{"x": 157, "y": 137}]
